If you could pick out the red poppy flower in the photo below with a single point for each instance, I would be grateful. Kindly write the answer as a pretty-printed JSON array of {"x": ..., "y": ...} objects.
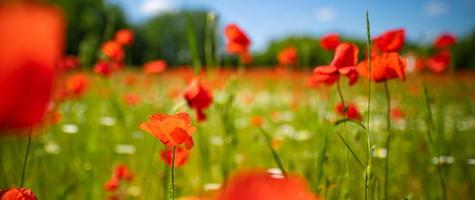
[
  {"x": 257, "y": 121},
  {"x": 113, "y": 50},
  {"x": 103, "y": 68},
  {"x": 351, "y": 111},
  {"x": 440, "y": 61},
  {"x": 122, "y": 172},
  {"x": 68, "y": 63},
  {"x": 199, "y": 97},
  {"x": 31, "y": 45},
  {"x": 390, "y": 41},
  {"x": 288, "y": 56},
  {"x": 171, "y": 130},
  {"x": 131, "y": 99},
  {"x": 444, "y": 40},
  {"x": 234, "y": 34},
  {"x": 397, "y": 114},
  {"x": 112, "y": 184},
  {"x": 343, "y": 63},
  {"x": 260, "y": 185},
  {"x": 245, "y": 57},
  {"x": 17, "y": 194},
  {"x": 181, "y": 156},
  {"x": 236, "y": 48},
  {"x": 330, "y": 41},
  {"x": 384, "y": 67},
  {"x": 124, "y": 37},
  {"x": 77, "y": 84},
  {"x": 155, "y": 67}
]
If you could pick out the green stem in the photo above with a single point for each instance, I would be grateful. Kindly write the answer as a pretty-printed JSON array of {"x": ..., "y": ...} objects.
[
  {"x": 432, "y": 130},
  {"x": 274, "y": 153},
  {"x": 172, "y": 188},
  {"x": 388, "y": 139},
  {"x": 350, "y": 149},
  {"x": 25, "y": 160},
  {"x": 341, "y": 97},
  {"x": 368, "y": 133}
]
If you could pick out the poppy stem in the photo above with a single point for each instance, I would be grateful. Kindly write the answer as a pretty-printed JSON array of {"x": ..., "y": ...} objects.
[
  {"x": 431, "y": 131},
  {"x": 172, "y": 181},
  {"x": 388, "y": 140},
  {"x": 341, "y": 96},
  {"x": 367, "y": 173},
  {"x": 25, "y": 160},
  {"x": 274, "y": 153}
]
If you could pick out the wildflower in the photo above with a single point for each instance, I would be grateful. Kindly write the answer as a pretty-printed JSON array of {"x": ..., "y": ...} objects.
[
  {"x": 113, "y": 50},
  {"x": 131, "y": 99},
  {"x": 343, "y": 63},
  {"x": 330, "y": 41},
  {"x": 171, "y": 130},
  {"x": 103, "y": 68},
  {"x": 390, "y": 41},
  {"x": 444, "y": 40},
  {"x": 237, "y": 43},
  {"x": 351, "y": 111},
  {"x": 77, "y": 84},
  {"x": 257, "y": 121},
  {"x": 124, "y": 37},
  {"x": 17, "y": 194},
  {"x": 397, "y": 114},
  {"x": 384, "y": 67},
  {"x": 68, "y": 62},
  {"x": 155, "y": 67},
  {"x": 288, "y": 56},
  {"x": 261, "y": 185},
  {"x": 31, "y": 44},
  {"x": 440, "y": 61},
  {"x": 181, "y": 156},
  {"x": 199, "y": 97}
]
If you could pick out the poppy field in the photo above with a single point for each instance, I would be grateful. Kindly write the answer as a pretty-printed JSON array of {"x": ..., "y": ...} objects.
[{"x": 372, "y": 120}]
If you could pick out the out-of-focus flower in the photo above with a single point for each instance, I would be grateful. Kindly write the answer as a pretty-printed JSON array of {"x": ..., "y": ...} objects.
[
  {"x": 344, "y": 63},
  {"x": 77, "y": 84},
  {"x": 199, "y": 97},
  {"x": 68, "y": 62},
  {"x": 124, "y": 37},
  {"x": 113, "y": 50},
  {"x": 31, "y": 45},
  {"x": 351, "y": 111},
  {"x": 288, "y": 56},
  {"x": 384, "y": 67},
  {"x": 330, "y": 41},
  {"x": 245, "y": 57},
  {"x": 440, "y": 61},
  {"x": 155, "y": 67},
  {"x": 237, "y": 43},
  {"x": 17, "y": 194},
  {"x": 257, "y": 121},
  {"x": 444, "y": 40},
  {"x": 181, "y": 156},
  {"x": 122, "y": 172},
  {"x": 111, "y": 184},
  {"x": 171, "y": 130},
  {"x": 260, "y": 185},
  {"x": 397, "y": 114},
  {"x": 131, "y": 99},
  {"x": 390, "y": 41},
  {"x": 103, "y": 68}
]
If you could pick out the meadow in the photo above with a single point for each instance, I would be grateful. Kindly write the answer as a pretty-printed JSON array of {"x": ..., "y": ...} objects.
[{"x": 74, "y": 156}]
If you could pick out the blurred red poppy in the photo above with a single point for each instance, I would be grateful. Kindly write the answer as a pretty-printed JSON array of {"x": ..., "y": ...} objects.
[
  {"x": 344, "y": 63},
  {"x": 131, "y": 99},
  {"x": 122, "y": 172},
  {"x": 155, "y": 67},
  {"x": 31, "y": 45},
  {"x": 257, "y": 121},
  {"x": 440, "y": 61},
  {"x": 260, "y": 185},
  {"x": 112, "y": 184},
  {"x": 444, "y": 40},
  {"x": 397, "y": 114},
  {"x": 384, "y": 67},
  {"x": 288, "y": 56},
  {"x": 171, "y": 130},
  {"x": 68, "y": 62},
  {"x": 181, "y": 156},
  {"x": 330, "y": 41},
  {"x": 124, "y": 37},
  {"x": 245, "y": 57},
  {"x": 103, "y": 68},
  {"x": 17, "y": 194},
  {"x": 77, "y": 84},
  {"x": 234, "y": 34},
  {"x": 113, "y": 50},
  {"x": 351, "y": 111},
  {"x": 390, "y": 41},
  {"x": 199, "y": 97}
]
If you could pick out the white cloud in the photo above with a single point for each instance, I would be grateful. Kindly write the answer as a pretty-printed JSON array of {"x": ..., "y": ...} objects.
[
  {"x": 435, "y": 8},
  {"x": 325, "y": 13},
  {"x": 154, "y": 7}
]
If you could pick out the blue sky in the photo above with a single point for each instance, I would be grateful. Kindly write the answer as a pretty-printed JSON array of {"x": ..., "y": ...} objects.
[{"x": 265, "y": 20}]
